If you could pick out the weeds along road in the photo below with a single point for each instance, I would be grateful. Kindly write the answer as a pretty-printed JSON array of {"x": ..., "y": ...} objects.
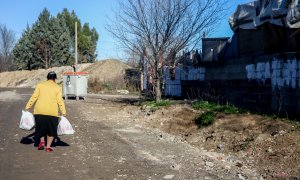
[{"x": 107, "y": 144}]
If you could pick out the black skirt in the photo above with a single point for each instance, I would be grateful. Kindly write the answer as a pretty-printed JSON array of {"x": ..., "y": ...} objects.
[{"x": 45, "y": 125}]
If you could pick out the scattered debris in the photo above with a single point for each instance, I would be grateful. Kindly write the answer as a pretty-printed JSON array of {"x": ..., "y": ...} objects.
[
  {"x": 169, "y": 176},
  {"x": 123, "y": 91}
]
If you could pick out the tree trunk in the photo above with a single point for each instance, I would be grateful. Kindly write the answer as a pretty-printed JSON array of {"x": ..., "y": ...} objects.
[
  {"x": 158, "y": 76},
  {"x": 159, "y": 65},
  {"x": 157, "y": 90},
  {"x": 46, "y": 64}
]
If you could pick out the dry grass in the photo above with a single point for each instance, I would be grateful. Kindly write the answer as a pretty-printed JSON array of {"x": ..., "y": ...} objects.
[{"x": 95, "y": 85}]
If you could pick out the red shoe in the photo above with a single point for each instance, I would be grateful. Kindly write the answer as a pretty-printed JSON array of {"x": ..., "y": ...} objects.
[
  {"x": 49, "y": 149},
  {"x": 41, "y": 145}
]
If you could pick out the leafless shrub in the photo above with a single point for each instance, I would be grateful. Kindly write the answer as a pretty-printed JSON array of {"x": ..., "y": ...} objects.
[
  {"x": 95, "y": 85},
  {"x": 7, "y": 41}
]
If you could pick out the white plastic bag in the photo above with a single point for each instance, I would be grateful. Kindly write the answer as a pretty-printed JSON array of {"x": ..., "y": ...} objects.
[
  {"x": 27, "y": 121},
  {"x": 64, "y": 127}
]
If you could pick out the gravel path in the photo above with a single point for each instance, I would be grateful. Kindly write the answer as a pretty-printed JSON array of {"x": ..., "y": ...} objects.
[{"x": 110, "y": 142}]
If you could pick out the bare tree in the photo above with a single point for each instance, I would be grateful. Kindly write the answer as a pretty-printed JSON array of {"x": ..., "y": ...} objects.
[
  {"x": 7, "y": 42},
  {"x": 162, "y": 28},
  {"x": 133, "y": 58}
]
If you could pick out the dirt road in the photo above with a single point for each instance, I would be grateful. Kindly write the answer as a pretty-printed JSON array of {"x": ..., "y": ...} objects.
[{"x": 109, "y": 143}]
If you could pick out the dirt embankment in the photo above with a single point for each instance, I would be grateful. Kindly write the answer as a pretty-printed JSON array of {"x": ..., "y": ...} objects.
[
  {"x": 251, "y": 146},
  {"x": 270, "y": 146},
  {"x": 27, "y": 78},
  {"x": 105, "y": 70}
]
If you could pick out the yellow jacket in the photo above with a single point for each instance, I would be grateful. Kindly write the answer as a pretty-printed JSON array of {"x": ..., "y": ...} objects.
[{"x": 48, "y": 97}]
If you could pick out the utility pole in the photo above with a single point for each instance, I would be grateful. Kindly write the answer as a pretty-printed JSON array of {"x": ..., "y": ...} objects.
[{"x": 76, "y": 60}]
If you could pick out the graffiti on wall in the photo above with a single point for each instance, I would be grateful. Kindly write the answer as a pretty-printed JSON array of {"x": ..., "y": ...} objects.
[
  {"x": 172, "y": 85},
  {"x": 190, "y": 73},
  {"x": 282, "y": 73}
]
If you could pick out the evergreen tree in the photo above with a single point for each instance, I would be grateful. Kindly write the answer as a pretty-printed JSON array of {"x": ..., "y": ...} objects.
[
  {"x": 23, "y": 51},
  {"x": 87, "y": 38},
  {"x": 88, "y": 41},
  {"x": 42, "y": 37},
  {"x": 50, "y": 42},
  {"x": 61, "y": 42}
]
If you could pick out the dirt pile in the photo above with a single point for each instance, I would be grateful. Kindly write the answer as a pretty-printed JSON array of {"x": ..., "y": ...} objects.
[
  {"x": 270, "y": 146},
  {"x": 27, "y": 78},
  {"x": 107, "y": 70},
  {"x": 107, "y": 76}
]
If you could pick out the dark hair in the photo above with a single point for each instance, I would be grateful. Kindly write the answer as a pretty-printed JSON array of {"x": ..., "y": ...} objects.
[{"x": 51, "y": 75}]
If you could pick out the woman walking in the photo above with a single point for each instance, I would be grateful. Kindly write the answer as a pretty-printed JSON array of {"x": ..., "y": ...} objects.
[{"x": 47, "y": 98}]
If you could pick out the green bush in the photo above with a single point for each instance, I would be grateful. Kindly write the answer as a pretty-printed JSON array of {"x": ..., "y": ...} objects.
[
  {"x": 163, "y": 103},
  {"x": 153, "y": 105},
  {"x": 205, "y": 119},
  {"x": 212, "y": 109},
  {"x": 205, "y": 105},
  {"x": 230, "y": 109}
]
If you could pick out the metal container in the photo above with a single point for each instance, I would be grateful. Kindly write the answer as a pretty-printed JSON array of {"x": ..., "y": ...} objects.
[{"x": 75, "y": 85}]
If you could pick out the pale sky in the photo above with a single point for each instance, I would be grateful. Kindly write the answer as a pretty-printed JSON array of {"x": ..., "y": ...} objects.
[{"x": 16, "y": 14}]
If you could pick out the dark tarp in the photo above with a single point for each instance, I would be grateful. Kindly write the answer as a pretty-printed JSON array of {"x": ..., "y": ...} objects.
[
  {"x": 285, "y": 13},
  {"x": 266, "y": 39}
]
